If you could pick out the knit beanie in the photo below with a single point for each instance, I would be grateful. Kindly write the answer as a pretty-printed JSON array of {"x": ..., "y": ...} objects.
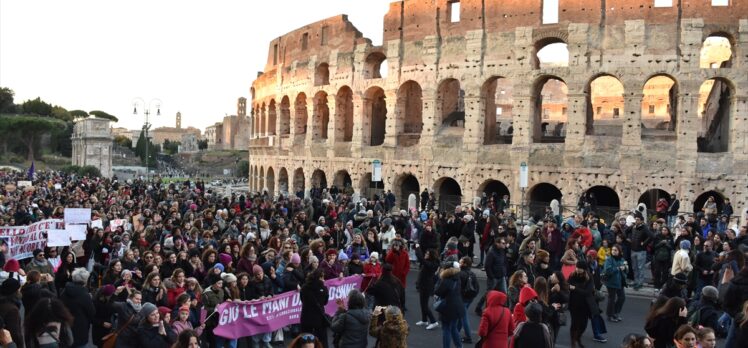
[
  {"x": 533, "y": 311},
  {"x": 256, "y": 269},
  {"x": 710, "y": 292},
  {"x": 147, "y": 309},
  {"x": 295, "y": 259},
  {"x": 685, "y": 244},
  {"x": 219, "y": 266},
  {"x": 224, "y": 258}
]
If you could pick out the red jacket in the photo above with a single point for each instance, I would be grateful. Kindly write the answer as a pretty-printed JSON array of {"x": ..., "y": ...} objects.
[
  {"x": 400, "y": 262},
  {"x": 526, "y": 294},
  {"x": 497, "y": 319},
  {"x": 584, "y": 236},
  {"x": 372, "y": 272},
  {"x": 172, "y": 294}
]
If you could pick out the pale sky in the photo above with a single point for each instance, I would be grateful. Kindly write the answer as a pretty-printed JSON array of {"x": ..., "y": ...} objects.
[{"x": 197, "y": 57}]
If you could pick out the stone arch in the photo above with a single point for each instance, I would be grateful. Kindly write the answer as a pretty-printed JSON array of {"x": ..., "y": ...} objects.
[
  {"x": 300, "y": 117},
  {"x": 283, "y": 187},
  {"x": 550, "y": 109},
  {"x": 368, "y": 188},
  {"x": 404, "y": 185},
  {"x": 375, "y": 116},
  {"x": 714, "y": 114},
  {"x": 409, "y": 113},
  {"x": 540, "y": 197},
  {"x": 551, "y": 51},
  {"x": 263, "y": 120},
  {"x": 448, "y": 193},
  {"x": 450, "y": 99},
  {"x": 342, "y": 179},
  {"x": 285, "y": 116},
  {"x": 271, "y": 117},
  {"x": 717, "y": 50},
  {"x": 498, "y": 100},
  {"x": 270, "y": 181},
  {"x": 321, "y": 114},
  {"x": 319, "y": 179},
  {"x": 659, "y": 105},
  {"x": 719, "y": 198},
  {"x": 261, "y": 185},
  {"x": 604, "y": 200},
  {"x": 298, "y": 181},
  {"x": 344, "y": 114},
  {"x": 605, "y": 105},
  {"x": 493, "y": 188},
  {"x": 322, "y": 74},
  {"x": 651, "y": 196},
  {"x": 373, "y": 65}
]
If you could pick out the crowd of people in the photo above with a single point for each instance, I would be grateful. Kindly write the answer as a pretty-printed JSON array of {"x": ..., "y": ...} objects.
[{"x": 167, "y": 255}]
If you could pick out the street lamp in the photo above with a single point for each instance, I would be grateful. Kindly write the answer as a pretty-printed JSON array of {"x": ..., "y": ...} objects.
[
  {"x": 523, "y": 187},
  {"x": 146, "y": 109}
]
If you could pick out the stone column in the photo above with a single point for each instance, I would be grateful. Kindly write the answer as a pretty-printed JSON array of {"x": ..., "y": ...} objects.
[
  {"x": 474, "y": 121},
  {"x": 332, "y": 126},
  {"x": 523, "y": 119},
  {"x": 390, "y": 128},
  {"x": 358, "y": 125},
  {"x": 631, "y": 141},
  {"x": 687, "y": 128},
  {"x": 430, "y": 125},
  {"x": 576, "y": 126}
]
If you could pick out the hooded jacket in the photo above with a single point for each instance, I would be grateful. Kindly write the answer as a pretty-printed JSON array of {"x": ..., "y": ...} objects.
[
  {"x": 353, "y": 326},
  {"x": 735, "y": 293},
  {"x": 392, "y": 333},
  {"x": 77, "y": 299},
  {"x": 525, "y": 295},
  {"x": 449, "y": 290},
  {"x": 497, "y": 319}
]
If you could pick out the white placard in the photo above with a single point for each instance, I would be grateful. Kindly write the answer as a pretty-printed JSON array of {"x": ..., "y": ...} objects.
[
  {"x": 97, "y": 224},
  {"x": 523, "y": 171},
  {"x": 23, "y": 183},
  {"x": 77, "y": 215},
  {"x": 77, "y": 232},
  {"x": 58, "y": 187},
  {"x": 376, "y": 171},
  {"x": 117, "y": 223},
  {"x": 58, "y": 238}
]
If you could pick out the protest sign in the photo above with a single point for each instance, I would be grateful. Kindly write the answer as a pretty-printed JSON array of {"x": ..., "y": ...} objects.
[
  {"x": 242, "y": 319},
  {"x": 22, "y": 240},
  {"x": 58, "y": 186},
  {"x": 97, "y": 224},
  {"x": 77, "y": 215},
  {"x": 57, "y": 238},
  {"x": 116, "y": 223},
  {"x": 23, "y": 183},
  {"x": 76, "y": 232}
]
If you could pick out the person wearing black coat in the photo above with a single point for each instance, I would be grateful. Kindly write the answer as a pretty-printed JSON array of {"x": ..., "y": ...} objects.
[
  {"x": 77, "y": 299},
  {"x": 448, "y": 289},
  {"x": 293, "y": 277},
  {"x": 425, "y": 285},
  {"x": 151, "y": 331},
  {"x": 103, "y": 319},
  {"x": 735, "y": 293},
  {"x": 663, "y": 321},
  {"x": 387, "y": 290},
  {"x": 352, "y": 324},
  {"x": 495, "y": 271},
  {"x": 34, "y": 291},
  {"x": 582, "y": 304},
  {"x": 314, "y": 296}
]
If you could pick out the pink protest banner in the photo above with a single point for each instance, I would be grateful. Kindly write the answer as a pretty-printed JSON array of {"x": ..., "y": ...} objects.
[
  {"x": 22, "y": 240},
  {"x": 242, "y": 319}
]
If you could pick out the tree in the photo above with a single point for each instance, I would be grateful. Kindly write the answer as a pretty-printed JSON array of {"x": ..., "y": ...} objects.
[
  {"x": 123, "y": 141},
  {"x": 242, "y": 169},
  {"x": 140, "y": 147},
  {"x": 202, "y": 144},
  {"x": 171, "y": 147},
  {"x": 102, "y": 114},
  {"x": 30, "y": 129},
  {"x": 61, "y": 113},
  {"x": 6, "y": 101},
  {"x": 36, "y": 107},
  {"x": 78, "y": 113}
]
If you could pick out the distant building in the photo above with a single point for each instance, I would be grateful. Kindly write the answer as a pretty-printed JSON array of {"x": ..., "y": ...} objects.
[
  {"x": 92, "y": 144},
  {"x": 233, "y": 132},
  {"x": 189, "y": 143},
  {"x": 161, "y": 134},
  {"x": 214, "y": 135}
]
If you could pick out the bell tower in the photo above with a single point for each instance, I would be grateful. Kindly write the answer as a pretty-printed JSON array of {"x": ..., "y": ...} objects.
[{"x": 179, "y": 120}]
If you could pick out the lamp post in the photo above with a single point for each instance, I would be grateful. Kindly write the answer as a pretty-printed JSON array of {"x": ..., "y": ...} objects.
[
  {"x": 146, "y": 109},
  {"x": 523, "y": 186}
]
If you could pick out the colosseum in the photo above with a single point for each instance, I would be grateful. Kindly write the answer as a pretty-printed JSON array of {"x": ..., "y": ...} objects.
[{"x": 631, "y": 100}]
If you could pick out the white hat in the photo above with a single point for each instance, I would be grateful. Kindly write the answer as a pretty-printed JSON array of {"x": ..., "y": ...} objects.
[
  {"x": 374, "y": 255},
  {"x": 228, "y": 277}
]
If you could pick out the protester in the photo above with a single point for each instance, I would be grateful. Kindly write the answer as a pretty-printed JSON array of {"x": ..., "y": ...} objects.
[
  {"x": 614, "y": 271},
  {"x": 533, "y": 333},
  {"x": 389, "y": 327},
  {"x": 314, "y": 297},
  {"x": 453, "y": 308},
  {"x": 425, "y": 286},
  {"x": 48, "y": 325},
  {"x": 352, "y": 323},
  {"x": 469, "y": 289},
  {"x": 75, "y": 296},
  {"x": 496, "y": 323},
  {"x": 662, "y": 323},
  {"x": 706, "y": 338},
  {"x": 684, "y": 337},
  {"x": 187, "y": 339},
  {"x": 10, "y": 309}
]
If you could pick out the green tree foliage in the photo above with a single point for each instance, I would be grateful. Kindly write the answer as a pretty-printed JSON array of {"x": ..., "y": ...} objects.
[
  {"x": 242, "y": 169},
  {"x": 61, "y": 140},
  {"x": 36, "y": 107},
  {"x": 61, "y": 113},
  {"x": 202, "y": 144},
  {"x": 102, "y": 114},
  {"x": 140, "y": 150},
  {"x": 89, "y": 171},
  {"x": 78, "y": 113},
  {"x": 6, "y": 101},
  {"x": 123, "y": 141},
  {"x": 171, "y": 147},
  {"x": 29, "y": 129}
]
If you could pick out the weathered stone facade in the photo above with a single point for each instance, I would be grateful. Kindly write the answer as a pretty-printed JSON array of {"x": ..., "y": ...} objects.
[
  {"x": 322, "y": 110},
  {"x": 92, "y": 144}
]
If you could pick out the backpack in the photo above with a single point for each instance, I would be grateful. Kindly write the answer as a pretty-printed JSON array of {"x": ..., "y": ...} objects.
[{"x": 471, "y": 288}]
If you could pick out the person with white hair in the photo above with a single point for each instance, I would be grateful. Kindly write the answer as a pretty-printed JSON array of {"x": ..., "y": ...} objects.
[{"x": 77, "y": 299}]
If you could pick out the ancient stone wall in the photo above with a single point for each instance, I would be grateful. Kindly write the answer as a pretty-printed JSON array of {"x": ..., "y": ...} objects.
[{"x": 431, "y": 102}]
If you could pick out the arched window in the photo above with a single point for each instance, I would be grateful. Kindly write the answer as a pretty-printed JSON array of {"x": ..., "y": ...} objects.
[
  {"x": 715, "y": 104},
  {"x": 321, "y": 116},
  {"x": 716, "y": 52},
  {"x": 271, "y": 117},
  {"x": 375, "y": 116},
  {"x": 344, "y": 114},
  {"x": 451, "y": 101},
  {"x": 410, "y": 113},
  {"x": 498, "y": 102},
  {"x": 322, "y": 75},
  {"x": 550, "y": 110},
  {"x": 285, "y": 116},
  {"x": 301, "y": 114},
  {"x": 551, "y": 53},
  {"x": 659, "y": 106},
  {"x": 373, "y": 67},
  {"x": 605, "y": 106}
]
